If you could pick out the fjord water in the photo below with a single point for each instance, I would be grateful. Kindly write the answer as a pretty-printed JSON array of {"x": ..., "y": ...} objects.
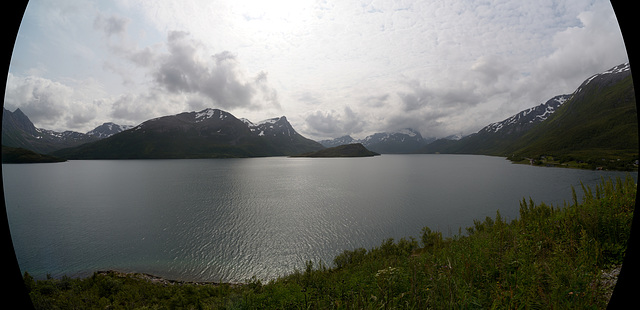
[{"x": 231, "y": 219}]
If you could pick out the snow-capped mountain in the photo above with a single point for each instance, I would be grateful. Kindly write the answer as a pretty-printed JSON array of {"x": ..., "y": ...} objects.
[
  {"x": 607, "y": 77},
  {"x": 19, "y": 131},
  {"x": 203, "y": 134},
  {"x": 339, "y": 141},
  {"x": 405, "y": 140},
  {"x": 107, "y": 130},
  {"x": 527, "y": 118},
  {"x": 495, "y": 136},
  {"x": 566, "y": 122},
  {"x": 277, "y": 126},
  {"x": 454, "y": 137}
]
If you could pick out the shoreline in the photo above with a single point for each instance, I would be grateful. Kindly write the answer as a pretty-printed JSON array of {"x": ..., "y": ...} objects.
[
  {"x": 608, "y": 279},
  {"x": 161, "y": 280}
]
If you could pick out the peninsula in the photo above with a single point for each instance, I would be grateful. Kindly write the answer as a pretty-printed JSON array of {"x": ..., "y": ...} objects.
[{"x": 346, "y": 150}]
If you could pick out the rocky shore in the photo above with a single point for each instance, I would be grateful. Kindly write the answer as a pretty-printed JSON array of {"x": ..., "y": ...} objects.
[
  {"x": 161, "y": 280},
  {"x": 608, "y": 280}
]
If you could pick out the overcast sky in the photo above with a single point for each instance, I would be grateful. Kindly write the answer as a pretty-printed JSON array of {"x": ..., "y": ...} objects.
[{"x": 331, "y": 67}]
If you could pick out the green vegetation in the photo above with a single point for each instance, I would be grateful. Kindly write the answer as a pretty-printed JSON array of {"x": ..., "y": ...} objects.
[
  {"x": 22, "y": 156},
  {"x": 599, "y": 126},
  {"x": 580, "y": 160},
  {"x": 550, "y": 257},
  {"x": 596, "y": 128}
]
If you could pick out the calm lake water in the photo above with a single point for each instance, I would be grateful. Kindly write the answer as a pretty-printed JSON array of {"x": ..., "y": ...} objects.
[{"x": 231, "y": 219}]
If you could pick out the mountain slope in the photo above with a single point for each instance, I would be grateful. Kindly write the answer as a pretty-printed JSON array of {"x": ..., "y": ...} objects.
[
  {"x": 18, "y": 131},
  {"x": 206, "y": 134},
  {"x": 398, "y": 142},
  {"x": 495, "y": 138},
  {"x": 107, "y": 130},
  {"x": 600, "y": 121},
  {"x": 597, "y": 121},
  {"x": 339, "y": 141}
]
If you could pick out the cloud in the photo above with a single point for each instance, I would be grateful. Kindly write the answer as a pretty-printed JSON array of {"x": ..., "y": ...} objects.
[
  {"x": 219, "y": 78},
  {"x": 333, "y": 124},
  {"x": 455, "y": 95},
  {"x": 112, "y": 25},
  {"x": 324, "y": 123},
  {"x": 580, "y": 51},
  {"x": 339, "y": 68},
  {"x": 49, "y": 104},
  {"x": 182, "y": 67}
]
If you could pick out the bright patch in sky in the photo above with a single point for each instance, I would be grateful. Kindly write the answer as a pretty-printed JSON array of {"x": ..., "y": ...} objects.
[{"x": 332, "y": 67}]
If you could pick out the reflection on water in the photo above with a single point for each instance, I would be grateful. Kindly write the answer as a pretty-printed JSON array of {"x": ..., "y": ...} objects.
[{"x": 231, "y": 219}]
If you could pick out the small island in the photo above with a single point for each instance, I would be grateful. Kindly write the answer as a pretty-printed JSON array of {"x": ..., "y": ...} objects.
[{"x": 345, "y": 150}]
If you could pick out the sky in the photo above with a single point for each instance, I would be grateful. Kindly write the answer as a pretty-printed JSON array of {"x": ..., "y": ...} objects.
[{"x": 333, "y": 68}]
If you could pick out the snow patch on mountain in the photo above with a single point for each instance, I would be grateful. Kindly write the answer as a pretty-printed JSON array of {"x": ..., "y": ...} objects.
[
  {"x": 209, "y": 113},
  {"x": 107, "y": 130},
  {"x": 400, "y": 141},
  {"x": 531, "y": 116},
  {"x": 615, "y": 70}
]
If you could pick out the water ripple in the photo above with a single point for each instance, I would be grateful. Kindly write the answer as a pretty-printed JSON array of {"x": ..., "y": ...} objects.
[{"x": 230, "y": 220}]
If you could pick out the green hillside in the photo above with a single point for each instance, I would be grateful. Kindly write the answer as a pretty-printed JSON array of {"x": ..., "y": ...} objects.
[{"x": 598, "y": 126}]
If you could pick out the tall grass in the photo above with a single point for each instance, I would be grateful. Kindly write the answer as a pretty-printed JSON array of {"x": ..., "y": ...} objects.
[{"x": 550, "y": 257}]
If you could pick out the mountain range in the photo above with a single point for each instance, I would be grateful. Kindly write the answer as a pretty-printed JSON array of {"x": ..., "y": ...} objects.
[
  {"x": 597, "y": 121},
  {"x": 397, "y": 142},
  {"x": 495, "y": 137},
  {"x": 210, "y": 133},
  {"x": 596, "y": 124},
  {"x": 18, "y": 131}
]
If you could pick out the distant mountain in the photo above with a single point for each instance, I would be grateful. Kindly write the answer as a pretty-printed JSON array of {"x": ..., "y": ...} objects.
[
  {"x": 494, "y": 138},
  {"x": 19, "y": 131},
  {"x": 209, "y": 133},
  {"x": 597, "y": 121},
  {"x": 398, "y": 142},
  {"x": 345, "y": 150},
  {"x": 526, "y": 119},
  {"x": 107, "y": 130},
  {"x": 338, "y": 141},
  {"x": 454, "y": 137}
]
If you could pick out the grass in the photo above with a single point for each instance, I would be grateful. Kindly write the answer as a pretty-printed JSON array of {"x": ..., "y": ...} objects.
[
  {"x": 549, "y": 257},
  {"x": 595, "y": 160}
]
